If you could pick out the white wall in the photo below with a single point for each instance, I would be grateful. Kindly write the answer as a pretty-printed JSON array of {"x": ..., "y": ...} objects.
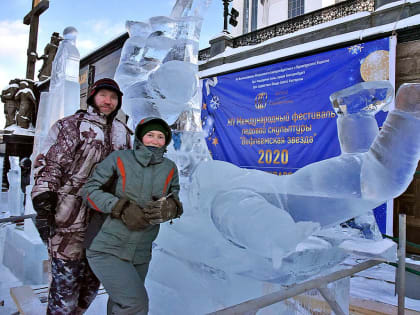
[
  {"x": 277, "y": 11},
  {"x": 312, "y": 5},
  {"x": 273, "y": 11},
  {"x": 239, "y": 6}
]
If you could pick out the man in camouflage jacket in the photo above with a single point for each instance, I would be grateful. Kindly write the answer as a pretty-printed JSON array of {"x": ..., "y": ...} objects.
[{"x": 78, "y": 143}]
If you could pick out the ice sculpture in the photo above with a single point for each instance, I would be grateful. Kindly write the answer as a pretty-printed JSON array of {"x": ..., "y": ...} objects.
[
  {"x": 15, "y": 195},
  {"x": 63, "y": 98},
  {"x": 245, "y": 232},
  {"x": 26, "y": 252},
  {"x": 327, "y": 192},
  {"x": 64, "y": 82},
  {"x": 160, "y": 53}
]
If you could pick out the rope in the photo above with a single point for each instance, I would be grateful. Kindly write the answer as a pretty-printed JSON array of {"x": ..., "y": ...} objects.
[
  {"x": 395, "y": 239},
  {"x": 394, "y": 32},
  {"x": 406, "y": 268}
]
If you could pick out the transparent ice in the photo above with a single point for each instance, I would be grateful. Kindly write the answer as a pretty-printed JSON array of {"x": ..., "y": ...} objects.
[
  {"x": 26, "y": 252},
  {"x": 15, "y": 194},
  {"x": 65, "y": 76},
  {"x": 244, "y": 233},
  {"x": 244, "y": 228},
  {"x": 63, "y": 97},
  {"x": 160, "y": 53}
]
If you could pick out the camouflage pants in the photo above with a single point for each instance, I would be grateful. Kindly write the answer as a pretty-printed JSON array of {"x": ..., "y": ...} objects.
[{"x": 73, "y": 287}]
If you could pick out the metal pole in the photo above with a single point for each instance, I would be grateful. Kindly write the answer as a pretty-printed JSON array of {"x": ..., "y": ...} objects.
[
  {"x": 225, "y": 15},
  {"x": 275, "y": 297},
  {"x": 18, "y": 218},
  {"x": 401, "y": 263}
]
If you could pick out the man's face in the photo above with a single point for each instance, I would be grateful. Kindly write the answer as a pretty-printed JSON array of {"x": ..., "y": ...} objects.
[{"x": 106, "y": 101}]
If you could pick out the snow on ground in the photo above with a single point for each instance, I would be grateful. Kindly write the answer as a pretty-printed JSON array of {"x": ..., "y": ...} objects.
[{"x": 376, "y": 283}]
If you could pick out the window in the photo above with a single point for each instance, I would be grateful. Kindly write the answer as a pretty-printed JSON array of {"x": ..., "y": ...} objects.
[
  {"x": 254, "y": 15},
  {"x": 296, "y": 8},
  {"x": 245, "y": 17}
]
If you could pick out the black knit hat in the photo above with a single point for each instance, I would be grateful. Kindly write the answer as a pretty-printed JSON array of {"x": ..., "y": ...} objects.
[{"x": 153, "y": 125}]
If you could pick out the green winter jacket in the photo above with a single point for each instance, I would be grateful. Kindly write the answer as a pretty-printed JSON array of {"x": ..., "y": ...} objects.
[{"x": 138, "y": 175}]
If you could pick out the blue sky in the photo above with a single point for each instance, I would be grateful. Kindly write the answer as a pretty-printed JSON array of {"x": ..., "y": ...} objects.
[{"x": 98, "y": 21}]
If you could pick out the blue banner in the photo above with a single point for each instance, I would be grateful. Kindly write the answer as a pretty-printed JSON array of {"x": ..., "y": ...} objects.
[{"x": 278, "y": 118}]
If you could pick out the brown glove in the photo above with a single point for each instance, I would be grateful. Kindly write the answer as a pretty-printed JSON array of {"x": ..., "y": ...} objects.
[
  {"x": 118, "y": 208},
  {"x": 134, "y": 217},
  {"x": 163, "y": 210},
  {"x": 130, "y": 213}
]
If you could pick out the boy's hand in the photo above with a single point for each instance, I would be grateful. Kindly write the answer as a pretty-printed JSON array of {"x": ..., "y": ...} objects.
[
  {"x": 162, "y": 210},
  {"x": 133, "y": 217}
]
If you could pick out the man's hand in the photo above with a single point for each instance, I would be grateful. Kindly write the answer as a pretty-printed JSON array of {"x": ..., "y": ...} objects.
[
  {"x": 45, "y": 201},
  {"x": 162, "y": 210},
  {"x": 44, "y": 223},
  {"x": 45, "y": 204}
]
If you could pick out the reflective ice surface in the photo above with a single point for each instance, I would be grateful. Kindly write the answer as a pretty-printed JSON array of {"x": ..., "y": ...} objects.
[
  {"x": 15, "y": 194},
  {"x": 245, "y": 228},
  {"x": 63, "y": 97},
  {"x": 244, "y": 233},
  {"x": 158, "y": 67},
  {"x": 64, "y": 82}
]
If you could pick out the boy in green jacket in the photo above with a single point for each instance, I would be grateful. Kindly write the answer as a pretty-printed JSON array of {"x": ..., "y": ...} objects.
[{"x": 131, "y": 192}]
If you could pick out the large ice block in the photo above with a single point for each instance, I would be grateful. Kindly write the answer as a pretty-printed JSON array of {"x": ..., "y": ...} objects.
[
  {"x": 25, "y": 256},
  {"x": 15, "y": 194},
  {"x": 63, "y": 97}
]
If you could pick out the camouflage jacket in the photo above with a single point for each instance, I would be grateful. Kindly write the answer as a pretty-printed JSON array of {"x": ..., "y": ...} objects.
[{"x": 78, "y": 143}]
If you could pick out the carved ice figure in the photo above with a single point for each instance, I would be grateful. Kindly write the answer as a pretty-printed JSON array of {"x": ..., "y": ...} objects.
[
  {"x": 63, "y": 98},
  {"x": 327, "y": 192},
  {"x": 64, "y": 81},
  {"x": 159, "y": 55},
  {"x": 15, "y": 194},
  {"x": 243, "y": 229},
  {"x": 132, "y": 68}
]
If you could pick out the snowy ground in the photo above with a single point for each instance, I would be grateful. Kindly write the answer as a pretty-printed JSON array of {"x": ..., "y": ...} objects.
[{"x": 376, "y": 283}]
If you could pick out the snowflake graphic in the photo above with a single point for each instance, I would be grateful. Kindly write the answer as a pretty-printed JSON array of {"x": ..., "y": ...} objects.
[
  {"x": 355, "y": 49},
  {"x": 215, "y": 102}
]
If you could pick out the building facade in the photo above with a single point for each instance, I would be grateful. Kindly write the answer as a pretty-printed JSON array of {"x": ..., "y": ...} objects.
[{"x": 256, "y": 14}]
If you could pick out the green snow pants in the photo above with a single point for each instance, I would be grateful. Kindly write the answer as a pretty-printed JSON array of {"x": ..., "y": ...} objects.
[{"x": 123, "y": 281}]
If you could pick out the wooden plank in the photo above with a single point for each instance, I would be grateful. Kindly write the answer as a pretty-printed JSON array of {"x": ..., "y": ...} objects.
[
  {"x": 369, "y": 307},
  {"x": 313, "y": 303},
  {"x": 26, "y": 301},
  {"x": 316, "y": 304}
]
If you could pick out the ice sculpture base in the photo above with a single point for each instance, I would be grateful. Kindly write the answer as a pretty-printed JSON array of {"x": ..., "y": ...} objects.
[
  {"x": 213, "y": 289},
  {"x": 25, "y": 256}
]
